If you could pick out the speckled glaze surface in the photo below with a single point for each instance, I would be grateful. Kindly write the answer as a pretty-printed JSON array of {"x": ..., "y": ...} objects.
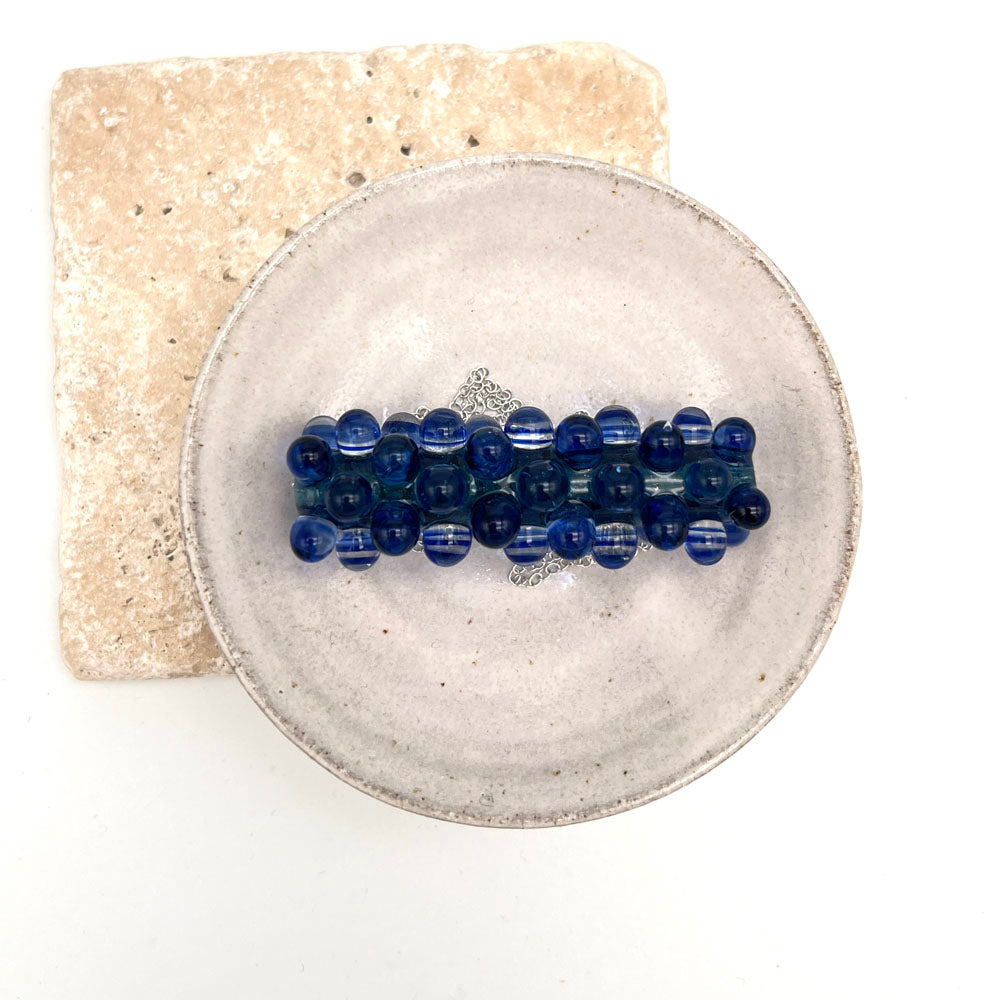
[{"x": 452, "y": 692}]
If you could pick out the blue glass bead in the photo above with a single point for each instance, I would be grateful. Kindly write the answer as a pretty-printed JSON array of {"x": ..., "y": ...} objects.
[
  {"x": 402, "y": 423},
  {"x": 707, "y": 481},
  {"x": 496, "y": 518},
  {"x": 395, "y": 460},
  {"x": 349, "y": 497},
  {"x": 447, "y": 544},
  {"x": 309, "y": 459},
  {"x": 619, "y": 425},
  {"x": 665, "y": 519},
  {"x": 441, "y": 489},
  {"x": 748, "y": 507},
  {"x": 312, "y": 538},
  {"x": 325, "y": 428},
  {"x": 579, "y": 441},
  {"x": 542, "y": 485},
  {"x": 395, "y": 527},
  {"x": 529, "y": 545},
  {"x": 706, "y": 542},
  {"x": 662, "y": 447},
  {"x": 356, "y": 549},
  {"x": 571, "y": 534},
  {"x": 694, "y": 425},
  {"x": 479, "y": 420},
  {"x": 528, "y": 427},
  {"x": 618, "y": 486},
  {"x": 357, "y": 432},
  {"x": 442, "y": 431},
  {"x": 735, "y": 535},
  {"x": 615, "y": 544},
  {"x": 490, "y": 453},
  {"x": 733, "y": 439}
]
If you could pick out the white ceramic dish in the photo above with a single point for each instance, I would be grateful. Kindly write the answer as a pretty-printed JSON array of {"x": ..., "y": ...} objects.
[{"x": 451, "y": 692}]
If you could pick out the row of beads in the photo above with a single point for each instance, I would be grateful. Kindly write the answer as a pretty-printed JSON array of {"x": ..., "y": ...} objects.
[
  {"x": 579, "y": 440},
  {"x": 362, "y": 489}
]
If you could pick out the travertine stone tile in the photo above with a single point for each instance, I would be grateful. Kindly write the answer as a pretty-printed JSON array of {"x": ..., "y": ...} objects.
[{"x": 171, "y": 183}]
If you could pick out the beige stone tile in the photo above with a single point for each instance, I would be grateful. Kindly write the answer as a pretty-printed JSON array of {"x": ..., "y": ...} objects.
[{"x": 171, "y": 183}]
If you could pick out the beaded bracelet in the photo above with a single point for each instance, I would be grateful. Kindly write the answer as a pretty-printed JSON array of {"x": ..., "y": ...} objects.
[{"x": 594, "y": 487}]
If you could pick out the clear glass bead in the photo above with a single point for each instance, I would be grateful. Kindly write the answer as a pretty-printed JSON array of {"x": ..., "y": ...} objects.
[
  {"x": 615, "y": 544},
  {"x": 529, "y": 545},
  {"x": 619, "y": 425},
  {"x": 529, "y": 428},
  {"x": 447, "y": 544},
  {"x": 694, "y": 425},
  {"x": 357, "y": 432},
  {"x": 356, "y": 549},
  {"x": 323, "y": 427},
  {"x": 442, "y": 431},
  {"x": 706, "y": 541},
  {"x": 402, "y": 423}
]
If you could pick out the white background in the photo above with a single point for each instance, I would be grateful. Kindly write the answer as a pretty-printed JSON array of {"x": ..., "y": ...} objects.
[{"x": 162, "y": 839}]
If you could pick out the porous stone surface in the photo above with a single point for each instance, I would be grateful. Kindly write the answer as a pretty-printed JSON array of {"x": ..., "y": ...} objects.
[{"x": 171, "y": 183}]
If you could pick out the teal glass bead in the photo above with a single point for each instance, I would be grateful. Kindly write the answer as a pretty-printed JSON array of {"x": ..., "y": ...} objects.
[
  {"x": 619, "y": 425},
  {"x": 496, "y": 519},
  {"x": 323, "y": 427},
  {"x": 618, "y": 486},
  {"x": 748, "y": 507},
  {"x": 441, "y": 489},
  {"x": 357, "y": 432},
  {"x": 447, "y": 544},
  {"x": 661, "y": 447},
  {"x": 542, "y": 485},
  {"x": 694, "y": 425},
  {"x": 665, "y": 521},
  {"x": 571, "y": 532},
  {"x": 529, "y": 545},
  {"x": 309, "y": 459},
  {"x": 356, "y": 549},
  {"x": 707, "y": 481},
  {"x": 706, "y": 541},
  {"x": 312, "y": 538},
  {"x": 310, "y": 499},
  {"x": 442, "y": 431},
  {"x": 402, "y": 423},
  {"x": 529, "y": 428},
  {"x": 615, "y": 544},
  {"x": 579, "y": 442},
  {"x": 733, "y": 440},
  {"x": 349, "y": 497},
  {"x": 395, "y": 460},
  {"x": 489, "y": 453},
  {"x": 395, "y": 527}
]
